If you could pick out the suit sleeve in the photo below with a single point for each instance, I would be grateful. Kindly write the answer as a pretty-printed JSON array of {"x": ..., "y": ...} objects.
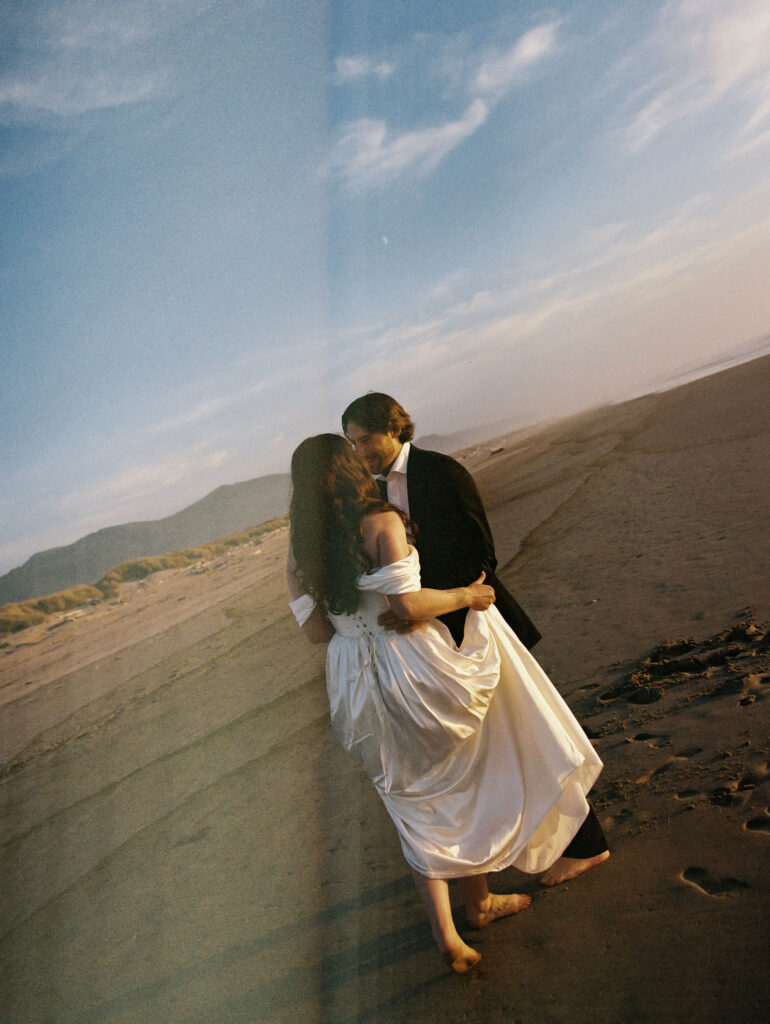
[
  {"x": 456, "y": 542},
  {"x": 467, "y": 519}
]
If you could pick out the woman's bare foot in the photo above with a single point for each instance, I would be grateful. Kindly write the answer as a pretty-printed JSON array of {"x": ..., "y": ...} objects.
[
  {"x": 488, "y": 910},
  {"x": 570, "y": 867},
  {"x": 461, "y": 957}
]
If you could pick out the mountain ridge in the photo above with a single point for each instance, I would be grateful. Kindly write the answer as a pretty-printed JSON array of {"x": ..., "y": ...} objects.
[
  {"x": 230, "y": 508},
  {"x": 227, "y": 509}
]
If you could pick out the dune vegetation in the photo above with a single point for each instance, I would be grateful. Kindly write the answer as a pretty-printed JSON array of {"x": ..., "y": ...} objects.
[{"x": 19, "y": 615}]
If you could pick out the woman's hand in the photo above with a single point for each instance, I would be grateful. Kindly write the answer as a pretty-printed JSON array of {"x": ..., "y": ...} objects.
[{"x": 480, "y": 596}]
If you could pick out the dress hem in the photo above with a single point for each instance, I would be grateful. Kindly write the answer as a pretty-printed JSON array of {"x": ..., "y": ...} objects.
[{"x": 502, "y": 864}]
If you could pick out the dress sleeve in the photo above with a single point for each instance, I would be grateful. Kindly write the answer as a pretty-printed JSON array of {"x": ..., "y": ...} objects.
[
  {"x": 402, "y": 577},
  {"x": 303, "y": 608}
]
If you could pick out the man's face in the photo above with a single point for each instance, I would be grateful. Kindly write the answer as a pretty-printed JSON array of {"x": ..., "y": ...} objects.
[{"x": 376, "y": 450}]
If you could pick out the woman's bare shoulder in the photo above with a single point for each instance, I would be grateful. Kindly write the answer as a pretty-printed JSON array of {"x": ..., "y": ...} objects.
[
  {"x": 376, "y": 522},
  {"x": 385, "y": 537}
]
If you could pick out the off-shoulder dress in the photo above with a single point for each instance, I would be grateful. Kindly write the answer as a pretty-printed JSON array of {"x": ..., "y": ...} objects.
[{"x": 476, "y": 756}]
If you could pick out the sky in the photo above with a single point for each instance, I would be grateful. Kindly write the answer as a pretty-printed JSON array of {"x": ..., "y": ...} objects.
[{"x": 223, "y": 221}]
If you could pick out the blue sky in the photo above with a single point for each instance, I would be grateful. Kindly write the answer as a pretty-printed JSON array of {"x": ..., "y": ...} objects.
[{"x": 222, "y": 221}]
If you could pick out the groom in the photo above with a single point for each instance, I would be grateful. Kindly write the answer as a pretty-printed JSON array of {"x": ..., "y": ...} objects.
[
  {"x": 454, "y": 542},
  {"x": 452, "y": 535}
]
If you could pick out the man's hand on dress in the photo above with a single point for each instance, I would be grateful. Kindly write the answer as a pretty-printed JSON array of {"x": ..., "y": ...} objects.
[{"x": 480, "y": 595}]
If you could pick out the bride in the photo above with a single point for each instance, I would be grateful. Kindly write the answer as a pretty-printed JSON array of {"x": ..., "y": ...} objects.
[{"x": 478, "y": 760}]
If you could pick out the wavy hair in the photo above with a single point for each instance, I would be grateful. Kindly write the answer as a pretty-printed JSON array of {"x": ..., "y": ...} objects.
[
  {"x": 379, "y": 414},
  {"x": 332, "y": 492}
]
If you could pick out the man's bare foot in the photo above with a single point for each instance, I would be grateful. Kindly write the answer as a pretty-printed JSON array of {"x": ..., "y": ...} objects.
[
  {"x": 493, "y": 907},
  {"x": 461, "y": 957},
  {"x": 570, "y": 867}
]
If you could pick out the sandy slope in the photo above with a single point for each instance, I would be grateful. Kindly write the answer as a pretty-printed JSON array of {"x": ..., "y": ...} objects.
[{"x": 183, "y": 841}]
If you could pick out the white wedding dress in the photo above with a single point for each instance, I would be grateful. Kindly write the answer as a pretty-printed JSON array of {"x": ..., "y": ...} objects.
[{"x": 476, "y": 756}]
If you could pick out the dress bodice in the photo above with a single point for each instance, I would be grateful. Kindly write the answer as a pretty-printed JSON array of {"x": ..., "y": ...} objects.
[
  {"x": 401, "y": 577},
  {"x": 363, "y": 621}
]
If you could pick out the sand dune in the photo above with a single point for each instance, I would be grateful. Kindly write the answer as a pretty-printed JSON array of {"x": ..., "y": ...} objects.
[{"x": 183, "y": 840}]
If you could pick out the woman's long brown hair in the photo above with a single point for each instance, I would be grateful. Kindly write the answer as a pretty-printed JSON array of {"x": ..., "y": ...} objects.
[{"x": 332, "y": 492}]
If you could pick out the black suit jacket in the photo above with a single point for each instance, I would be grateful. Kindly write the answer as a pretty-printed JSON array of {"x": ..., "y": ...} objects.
[{"x": 453, "y": 537}]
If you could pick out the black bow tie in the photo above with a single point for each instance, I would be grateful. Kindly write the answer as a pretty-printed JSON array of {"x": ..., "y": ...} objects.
[{"x": 383, "y": 488}]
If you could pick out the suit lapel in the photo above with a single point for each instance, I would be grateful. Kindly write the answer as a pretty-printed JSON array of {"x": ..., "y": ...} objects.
[{"x": 415, "y": 483}]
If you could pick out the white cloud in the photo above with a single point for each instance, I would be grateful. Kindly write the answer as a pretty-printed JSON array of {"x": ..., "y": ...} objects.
[
  {"x": 497, "y": 73},
  {"x": 755, "y": 142},
  {"x": 603, "y": 338},
  {"x": 67, "y": 91},
  {"x": 480, "y": 302},
  {"x": 366, "y": 155},
  {"x": 604, "y": 234},
  {"x": 134, "y": 483},
  {"x": 657, "y": 280},
  {"x": 349, "y": 69},
  {"x": 711, "y": 49},
  {"x": 201, "y": 411},
  {"x": 208, "y": 407},
  {"x": 90, "y": 24},
  {"x": 447, "y": 286},
  {"x": 82, "y": 55}
]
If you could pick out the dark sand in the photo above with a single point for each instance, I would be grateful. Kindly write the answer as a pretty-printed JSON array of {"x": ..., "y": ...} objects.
[{"x": 184, "y": 841}]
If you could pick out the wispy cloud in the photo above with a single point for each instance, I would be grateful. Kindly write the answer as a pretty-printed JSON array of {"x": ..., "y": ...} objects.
[
  {"x": 497, "y": 73},
  {"x": 447, "y": 286},
  {"x": 348, "y": 69},
  {"x": 208, "y": 407},
  {"x": 366, "y": 155},
  {"x": 81, "y": 55},
  {"x": 635, "y": 265},
  {"x": 133, "y": 483},
  {"x": 711, "y": 49},
  {"x": 615, "y": 330},
  {"x": 64, "y": 91},
  {"x": 756, "y": 141},
  {"x": 195, "y": 414},
  {"x": 154, "y": 487}
]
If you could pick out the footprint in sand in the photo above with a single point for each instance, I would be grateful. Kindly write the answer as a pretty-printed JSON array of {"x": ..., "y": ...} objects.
[
  {"x": 652, "y": 739},
  {"x": 687, "y": 794},
  {"x": 701, "y": 880},
  {"x": 752, "y": 779},
  {"x": 724, "y": 796},
  {"x": 759, "y": 825},
  {"x": 690, "y": 752}
]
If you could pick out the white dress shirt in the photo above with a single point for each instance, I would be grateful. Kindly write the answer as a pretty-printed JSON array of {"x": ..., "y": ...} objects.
[{"x": 396, "y": 480}]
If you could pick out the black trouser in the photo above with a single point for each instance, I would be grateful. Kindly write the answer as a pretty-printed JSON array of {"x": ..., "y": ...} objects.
[{"x": 589, "y": 839}]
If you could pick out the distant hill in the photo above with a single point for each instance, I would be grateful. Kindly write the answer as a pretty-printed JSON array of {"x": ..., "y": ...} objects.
[
  {"x": 227, "y": 509},
  {"x": 449, "y": 444}
]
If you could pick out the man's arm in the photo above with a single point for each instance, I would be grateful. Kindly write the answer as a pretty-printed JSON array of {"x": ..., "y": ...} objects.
[
  {"x": 457, "y": 540},
  {"x": 467, "y": 518}
]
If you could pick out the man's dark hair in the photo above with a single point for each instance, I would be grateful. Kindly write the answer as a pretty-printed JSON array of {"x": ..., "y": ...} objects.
[{"x": 379, "y": 414}]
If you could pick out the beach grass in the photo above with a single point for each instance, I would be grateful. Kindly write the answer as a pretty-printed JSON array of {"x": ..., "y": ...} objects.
[{"x": 16, "y": 616}]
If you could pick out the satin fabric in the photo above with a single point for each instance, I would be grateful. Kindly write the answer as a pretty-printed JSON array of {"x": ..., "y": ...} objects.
[{"x": 477, "y": 758}]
